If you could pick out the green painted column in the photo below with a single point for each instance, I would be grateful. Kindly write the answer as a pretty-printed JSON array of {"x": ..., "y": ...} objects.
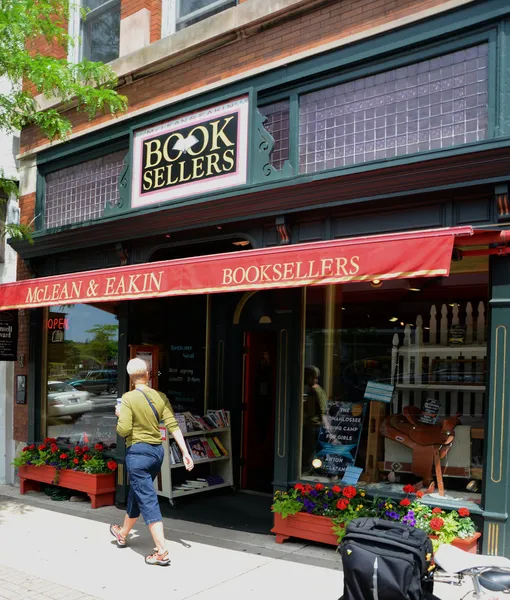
[{"x": 496, "y": 534}]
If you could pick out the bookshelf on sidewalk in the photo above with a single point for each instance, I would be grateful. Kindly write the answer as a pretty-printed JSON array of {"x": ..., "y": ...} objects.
[{"x": 209, "y": 442}]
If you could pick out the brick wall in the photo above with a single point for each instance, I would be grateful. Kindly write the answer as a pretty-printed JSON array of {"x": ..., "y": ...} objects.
[
  {"x": 333, "y": 22},
  {"x": 155, "y": 20},
  {"x": 20, "y": 429},
  {"x": 129, "y": 7},
  {"x": 20, "y": 416}
]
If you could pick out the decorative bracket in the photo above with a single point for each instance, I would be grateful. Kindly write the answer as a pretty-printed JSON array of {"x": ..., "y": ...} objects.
[
  {"x": 283, "y": 230},
  {"x": 263, "y": 169},
  {"x": 502, "y": 202},
  {"x": 122, "y": 253},
  {"x": 124, "y": 188}
]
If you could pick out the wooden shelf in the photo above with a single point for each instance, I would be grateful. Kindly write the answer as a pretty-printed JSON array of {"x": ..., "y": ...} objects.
[
  {"x": 177, "y": 493},
  {"x": 201, "y": 461},
  {"x": 201, "y": 432},
  {"x": 170, "y": 474},
  {"x": 441, "y": 387}
]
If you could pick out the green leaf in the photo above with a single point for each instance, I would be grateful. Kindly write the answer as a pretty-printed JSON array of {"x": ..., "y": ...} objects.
[{"x": 87, "y": 86}]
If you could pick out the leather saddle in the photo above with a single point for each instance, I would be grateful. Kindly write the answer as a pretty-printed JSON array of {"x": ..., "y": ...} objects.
[{"x": 429, "y": 443}]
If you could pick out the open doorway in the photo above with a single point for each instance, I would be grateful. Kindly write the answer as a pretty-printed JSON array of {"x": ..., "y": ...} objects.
[{"x": 259, "y": 412}]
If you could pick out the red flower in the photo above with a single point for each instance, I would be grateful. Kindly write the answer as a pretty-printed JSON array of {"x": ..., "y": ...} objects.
[
  {"x": 78, "y": 450},
  {"x": 99, "y": 447},
  {"x": 409, "y": 489},
  {"x": 85, "y": 448},
  {"x": 405, "y": 502},
  {"x": 42, "y": 447},
  {"x": 419, "y": 494},
  {"x": 26, "y": 449},
  {"x": 54, "y": 448},
  {"x": 336, "y": 489},
  {"x": 76, "y": 461},
  {"x": 112, "y": 465},
  {"x": 49, "y": 441},
  {"x": 464, "y": 512},
  {"x": 436, "y": 523},
  {"x": 86, "y": 457},
  {"x": 349, "y": 491},
  {"x": 436, "y": 511},
  {"x": 319, "y": 487},
  {"x": 299, "y": 487},
  {"x": 63, "y": 456},
  {"x": 31, "y": 447},
  {"x": 342, "y": 504}
]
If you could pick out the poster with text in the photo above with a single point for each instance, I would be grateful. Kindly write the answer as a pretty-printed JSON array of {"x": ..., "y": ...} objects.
[{"x": 338, "y": 443}]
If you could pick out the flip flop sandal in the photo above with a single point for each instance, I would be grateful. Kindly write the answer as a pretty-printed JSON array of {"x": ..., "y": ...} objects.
[
  {"x": 115, "y": 531},
  {"x": 161, "y": 560}
]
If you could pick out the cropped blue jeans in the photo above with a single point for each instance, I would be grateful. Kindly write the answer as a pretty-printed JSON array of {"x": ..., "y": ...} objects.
[{"x": 143, "y": 463}]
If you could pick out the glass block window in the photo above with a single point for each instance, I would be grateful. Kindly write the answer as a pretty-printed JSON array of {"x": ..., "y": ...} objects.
[
  {"x": 278, "y": 126},
  {"x": 81, "y": 192},
  {"x": 435, "y": 103}
]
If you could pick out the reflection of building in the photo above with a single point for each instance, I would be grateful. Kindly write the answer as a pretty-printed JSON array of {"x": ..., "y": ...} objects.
[{"x": 383, "y": 136}]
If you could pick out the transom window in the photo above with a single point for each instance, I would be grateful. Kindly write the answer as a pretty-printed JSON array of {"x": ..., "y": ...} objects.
[
  {"x": 98, "y": 30},
  {"x": 81, "y": 192},
  {"x": 433, "y": 104}
]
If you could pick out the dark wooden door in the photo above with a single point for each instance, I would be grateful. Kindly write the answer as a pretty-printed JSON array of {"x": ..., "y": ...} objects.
[{"x": 259, "y": 411}]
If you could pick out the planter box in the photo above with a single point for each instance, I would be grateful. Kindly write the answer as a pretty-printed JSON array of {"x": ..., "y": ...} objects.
[
  {"x": 99, "y": 488},
  {"x": 468, "y": 545},
  {"x": 305, "y": 527},
  {"x": 320, "y": 529}
]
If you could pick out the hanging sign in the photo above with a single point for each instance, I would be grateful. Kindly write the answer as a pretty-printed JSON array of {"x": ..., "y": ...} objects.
[
  {"x": 8, "y": 335},
  {"x": 196, "y": 153}
]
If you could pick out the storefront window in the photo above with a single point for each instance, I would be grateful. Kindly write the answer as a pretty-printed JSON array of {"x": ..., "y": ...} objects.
[
  {"x": 421, "y": 346},
  {"x": 81, "y": 385}
]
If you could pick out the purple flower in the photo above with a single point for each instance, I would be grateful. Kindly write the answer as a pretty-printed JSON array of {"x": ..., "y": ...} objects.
[
  {"x": 314, "y": 493},
  {"x": 330, "y": 494},
  {"x": 392, "y": 515}
]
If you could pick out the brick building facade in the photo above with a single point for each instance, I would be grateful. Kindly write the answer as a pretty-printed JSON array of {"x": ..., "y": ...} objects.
[{"x": 363, "y": 118}]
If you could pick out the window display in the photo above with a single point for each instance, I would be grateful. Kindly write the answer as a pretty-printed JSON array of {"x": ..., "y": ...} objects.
[
  {"x": 394, "y": 382},
  {"x": 81, "y": 383}
]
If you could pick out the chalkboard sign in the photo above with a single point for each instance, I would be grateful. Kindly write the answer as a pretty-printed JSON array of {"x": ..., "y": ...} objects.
[
  {"x": 8, "y": 335},
  {"x": 339, "y": 446},
  {"x": 186, "y": 373}
]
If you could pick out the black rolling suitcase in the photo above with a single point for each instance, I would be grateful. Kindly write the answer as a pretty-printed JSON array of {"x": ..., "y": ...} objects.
[{"x": 386, "y": 561}]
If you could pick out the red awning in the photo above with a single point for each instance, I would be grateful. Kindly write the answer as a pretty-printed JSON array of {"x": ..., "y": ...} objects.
[{"x": 394, "y": 256}]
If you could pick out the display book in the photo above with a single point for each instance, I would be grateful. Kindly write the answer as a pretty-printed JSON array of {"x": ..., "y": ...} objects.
[{"x": 209, "y": 443}]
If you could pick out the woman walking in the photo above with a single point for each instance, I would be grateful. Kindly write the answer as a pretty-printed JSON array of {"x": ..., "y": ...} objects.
[{"x": 139, "y": 416}]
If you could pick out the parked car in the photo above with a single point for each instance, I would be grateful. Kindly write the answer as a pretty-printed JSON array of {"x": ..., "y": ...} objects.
[
  {"x": 97, "y": 382},
  {"x": 65, "y": 400}
]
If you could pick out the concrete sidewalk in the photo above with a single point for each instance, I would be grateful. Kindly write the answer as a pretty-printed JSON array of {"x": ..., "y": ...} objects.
[{"x": 68, "y": 546}]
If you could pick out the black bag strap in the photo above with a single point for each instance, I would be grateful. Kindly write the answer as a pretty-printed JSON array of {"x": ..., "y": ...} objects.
[{"x": 151, "y": 405}]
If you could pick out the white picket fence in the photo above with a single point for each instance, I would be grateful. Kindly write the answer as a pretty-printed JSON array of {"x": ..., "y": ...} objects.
[{"x": 424, "y": 366}]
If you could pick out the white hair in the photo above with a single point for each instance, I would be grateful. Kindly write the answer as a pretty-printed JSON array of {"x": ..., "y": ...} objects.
[{"x": 137, "y": 366}]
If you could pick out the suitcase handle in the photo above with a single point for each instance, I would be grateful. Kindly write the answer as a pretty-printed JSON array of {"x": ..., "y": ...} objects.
[{"x": 386, "y": 526}]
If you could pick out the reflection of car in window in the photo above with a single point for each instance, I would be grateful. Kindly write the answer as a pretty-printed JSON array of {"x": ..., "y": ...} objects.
[
  {"x": 66, "y": 401},
  {"x": 97, "y": 381}
]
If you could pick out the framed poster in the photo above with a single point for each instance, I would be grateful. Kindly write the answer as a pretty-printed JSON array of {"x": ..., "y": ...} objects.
[
  {"x": 150, "y": 354},
  {"x": 8, "y": 335}
]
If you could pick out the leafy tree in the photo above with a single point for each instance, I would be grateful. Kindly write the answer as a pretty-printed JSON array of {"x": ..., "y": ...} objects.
[
  {"x": 104, "y": 345},
  {"x": 87, "y": 86}
]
